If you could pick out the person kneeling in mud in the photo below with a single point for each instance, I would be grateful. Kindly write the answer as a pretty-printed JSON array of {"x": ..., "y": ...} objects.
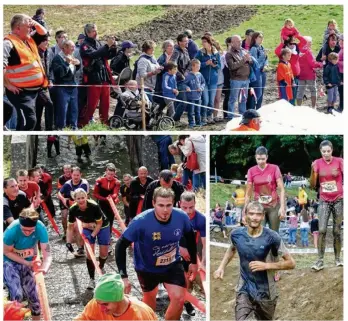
[{"x": 256, "y": 296}]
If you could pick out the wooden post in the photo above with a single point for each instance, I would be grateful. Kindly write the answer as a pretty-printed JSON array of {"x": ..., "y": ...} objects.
[{"x": 143, "y": 101}]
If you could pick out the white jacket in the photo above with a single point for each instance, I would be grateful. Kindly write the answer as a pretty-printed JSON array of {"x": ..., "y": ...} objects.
[{"x": 199, "y": 146}]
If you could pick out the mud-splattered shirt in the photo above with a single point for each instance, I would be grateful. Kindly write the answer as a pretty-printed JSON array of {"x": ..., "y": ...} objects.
[
  {"x": 330, "y": 178},
  {"x": 266, "y": 248},
  {"x": 265, "y": 184}
]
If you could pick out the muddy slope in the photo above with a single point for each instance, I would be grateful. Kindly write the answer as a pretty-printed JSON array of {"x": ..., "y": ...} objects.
[
  {"x": 199, "y": 19},
  {"x": 303, "y": 294}
]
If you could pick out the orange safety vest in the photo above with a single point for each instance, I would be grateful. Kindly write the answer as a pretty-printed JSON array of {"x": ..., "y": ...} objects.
[
  {"x": 240, "y": 199},
  {"x": 242, "y": 128},
  {"x": 30, "y": 72}
]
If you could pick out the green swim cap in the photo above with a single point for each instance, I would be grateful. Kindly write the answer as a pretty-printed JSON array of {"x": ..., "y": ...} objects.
[{"x": 109, "y": 288}]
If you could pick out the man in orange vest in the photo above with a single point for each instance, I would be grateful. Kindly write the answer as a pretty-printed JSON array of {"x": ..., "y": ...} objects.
[
  {"x": 251, "y": 121},
  {"x": 24, "y": 74}
]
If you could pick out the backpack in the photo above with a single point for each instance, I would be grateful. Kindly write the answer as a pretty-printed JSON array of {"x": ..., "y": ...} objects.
[{"x": 135, "y": 70}]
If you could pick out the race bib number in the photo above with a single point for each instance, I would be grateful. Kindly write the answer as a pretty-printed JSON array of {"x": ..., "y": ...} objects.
[
  {"x": 24, "y": 253},
  {"x": 329, "y": 187},
  {"x": 166, "y": 259},
  {"x": 265, "y": 199}
]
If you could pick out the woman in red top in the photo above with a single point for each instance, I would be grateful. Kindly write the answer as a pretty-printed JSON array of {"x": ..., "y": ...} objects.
[
  {"x": 263, "y": 180},
  {"x": 296, "y": 49},
  {"x": 327, "y": 175}
]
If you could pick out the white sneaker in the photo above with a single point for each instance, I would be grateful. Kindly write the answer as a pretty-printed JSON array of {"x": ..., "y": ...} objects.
[{"x": 91, "y": 285}]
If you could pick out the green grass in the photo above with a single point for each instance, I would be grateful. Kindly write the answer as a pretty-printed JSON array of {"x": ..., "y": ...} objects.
[
  {"x": 310, "y": 20},
  {"x": 220, "y": 193},
  {"x": 72, "y": 18}
]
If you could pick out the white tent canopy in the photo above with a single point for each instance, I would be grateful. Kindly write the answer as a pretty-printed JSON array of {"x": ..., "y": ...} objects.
[{"x": 283, "y": 118}]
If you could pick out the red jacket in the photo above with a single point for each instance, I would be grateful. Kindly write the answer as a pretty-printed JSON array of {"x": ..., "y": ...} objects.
[
  {"x": 103, "y": 188},
  {"x": 294, "y": 60},
  {"x": 308, "y": 64},
  {"x": 47, "y": 180}
]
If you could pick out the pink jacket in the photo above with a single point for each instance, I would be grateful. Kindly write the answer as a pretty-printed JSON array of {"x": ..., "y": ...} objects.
[
  {"x": 285, "y": 33},
  {"x": 294, "y": 60},
  {"x": 340, "y": 61},
  {"x": 307, "y": 66}
]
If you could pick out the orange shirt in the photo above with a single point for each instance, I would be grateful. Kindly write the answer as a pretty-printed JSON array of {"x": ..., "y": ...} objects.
[
  {"x": 137, "y": 311},
  {"x": 242, "y": 128}
]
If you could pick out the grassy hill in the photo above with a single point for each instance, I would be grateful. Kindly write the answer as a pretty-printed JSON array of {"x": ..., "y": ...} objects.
[
  {"x": 309, "y": 19},
  {"x": 220, "y": 193},
  {"x": 109, "y": 19}
]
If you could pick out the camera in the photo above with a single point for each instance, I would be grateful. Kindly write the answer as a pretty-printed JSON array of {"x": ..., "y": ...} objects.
[{"x": 214, "y": 61}]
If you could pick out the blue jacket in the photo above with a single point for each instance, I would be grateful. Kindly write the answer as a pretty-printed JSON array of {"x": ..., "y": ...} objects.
[
  {"x": 255, "y": 72},
  {"x": 209, "y": 73},
  {"x": 331, "y": 75},
  {"x": 194, "y": 82},
  {"x": 168, "y": 84},
  {"x": 258, "y": 52},
  {"x": 192, "y": 48}
]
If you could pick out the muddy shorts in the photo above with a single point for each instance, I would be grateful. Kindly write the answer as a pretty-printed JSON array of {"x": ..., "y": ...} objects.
[
  {"x": 175, "y": 275},
  {"x": 20, "y": 281},
  {"x": 249, "y": 309},
  {"x": 103, "y": 236}
]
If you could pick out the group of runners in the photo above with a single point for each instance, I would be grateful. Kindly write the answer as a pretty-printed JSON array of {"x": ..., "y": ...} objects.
[
  {"x": 260, "y": 248},
  {"x": 164, "y": 238},
  {"x": 38, "y": 77}
]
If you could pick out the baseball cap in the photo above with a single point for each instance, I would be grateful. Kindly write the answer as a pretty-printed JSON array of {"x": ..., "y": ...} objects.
[
  {"x": 248, "y": 32},
  {"x": 128, "y": 44},
  {"x": 81, "y": 36},
  {"x": 249, "y": 115},
  {"x": 109, "y": 288}
]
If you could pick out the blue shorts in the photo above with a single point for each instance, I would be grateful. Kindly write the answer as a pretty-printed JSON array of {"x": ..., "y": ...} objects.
[
  {"x": 20, "y": 281},
  {"x": 332, "y": 94},
  {"x": 103, "y": 236}
]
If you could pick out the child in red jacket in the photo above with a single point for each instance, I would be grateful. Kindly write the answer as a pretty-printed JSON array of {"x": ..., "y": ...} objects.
[
  {"x": 288, "y": 30},
  {"x": 285, "y": 77}
]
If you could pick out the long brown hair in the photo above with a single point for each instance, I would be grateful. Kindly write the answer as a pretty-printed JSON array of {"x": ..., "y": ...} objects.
[
  {"x": 304, "y": 215},
  {"x": 254, "y": 37}
]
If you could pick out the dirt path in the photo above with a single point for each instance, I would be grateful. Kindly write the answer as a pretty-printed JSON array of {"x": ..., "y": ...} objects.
[
  {"x": 303, "y": 294},
  {"x": 68, "y": 278},
  {"x": 215, "y": 19}
]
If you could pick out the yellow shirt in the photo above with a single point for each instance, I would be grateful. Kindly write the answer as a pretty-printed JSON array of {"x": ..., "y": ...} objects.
[{"x": 137, "y": 311}]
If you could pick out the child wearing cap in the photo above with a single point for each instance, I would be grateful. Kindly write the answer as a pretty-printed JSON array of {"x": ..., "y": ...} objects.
[
  {"x": 110, "y": 302},
  {"x": 332, "y": 80}
]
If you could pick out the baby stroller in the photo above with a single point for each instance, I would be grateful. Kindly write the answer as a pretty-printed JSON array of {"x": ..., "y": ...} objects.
[{"x": 128, "y": 114}]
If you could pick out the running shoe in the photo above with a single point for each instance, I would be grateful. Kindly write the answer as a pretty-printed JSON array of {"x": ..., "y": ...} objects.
[
  {"x": 80, "y": 253},
  {"x": 91, "y": 285},
  {"x": 319, "y": 265},
  {"x": 190, "y": 310},
  {"x": 339, "y": 262}
]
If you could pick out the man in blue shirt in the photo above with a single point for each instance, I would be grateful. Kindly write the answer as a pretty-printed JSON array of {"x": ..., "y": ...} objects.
[
  {"x": 156, "y": 234},
  {"x": 187, "y": 204},
  {"x": 20, "y": 251},
  {"x": 258, "y": 249}
]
